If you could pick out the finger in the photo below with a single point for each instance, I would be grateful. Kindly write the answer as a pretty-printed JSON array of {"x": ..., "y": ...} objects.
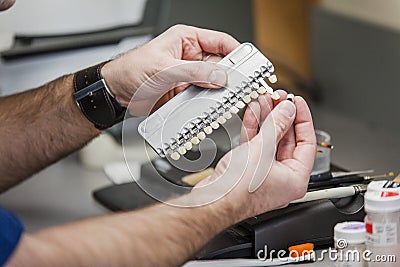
[
  {"x": 304, "y": 153},
  {"x": 212, "y": 58},
  {"x": 180, "y": 87},
  {"x": 204, "y": 74},
  {"x": 216, "y": 42},
  {"x": 272, "y": 130},
  {"x": 282, "y": 116},
  {"x": 282, "y": 96},
  {"x": 250, "y": 123},
  {"x": 287, "y": 143},
  {"x": 286, "y": 146},
  {"x": 266, "y": 106}
]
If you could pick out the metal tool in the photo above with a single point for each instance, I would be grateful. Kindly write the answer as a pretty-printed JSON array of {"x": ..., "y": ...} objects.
[
  {"x": 331, "y": 175},
  {"x": 346, "y": 179}
]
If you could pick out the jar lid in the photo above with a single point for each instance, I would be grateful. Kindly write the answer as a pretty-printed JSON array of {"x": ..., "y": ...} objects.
[
  {"x": 382, "y": 201},
  {"x": 351, "y": 232},
  {"x": 384, "y": 186}
]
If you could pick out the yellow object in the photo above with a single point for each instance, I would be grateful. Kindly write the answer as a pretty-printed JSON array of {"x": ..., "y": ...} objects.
[
  {"x": 397, "y": 179},
  {"x": 195, "y": 178}
]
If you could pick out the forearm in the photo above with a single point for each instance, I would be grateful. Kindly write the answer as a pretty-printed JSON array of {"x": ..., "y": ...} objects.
[
  {"x": 37, "y": 128},
  {"x": 157, "y": 236}
]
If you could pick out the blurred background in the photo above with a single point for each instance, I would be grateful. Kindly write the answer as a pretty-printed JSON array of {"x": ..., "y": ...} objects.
[{"x": 341, "y": 55}]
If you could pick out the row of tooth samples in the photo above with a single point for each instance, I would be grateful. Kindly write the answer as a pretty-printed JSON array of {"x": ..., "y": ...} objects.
[{"x": 197, "y": 130}]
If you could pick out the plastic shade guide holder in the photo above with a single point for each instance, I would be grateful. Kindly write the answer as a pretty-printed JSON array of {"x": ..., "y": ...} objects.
[{"x": 190, "y": 116}]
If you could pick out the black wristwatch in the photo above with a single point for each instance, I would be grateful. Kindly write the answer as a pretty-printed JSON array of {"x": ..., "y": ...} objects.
[{"x": 95, "y": 99}]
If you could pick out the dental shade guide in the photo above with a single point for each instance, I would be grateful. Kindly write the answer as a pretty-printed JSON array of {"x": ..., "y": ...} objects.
[{"x": 190, "y": 116}]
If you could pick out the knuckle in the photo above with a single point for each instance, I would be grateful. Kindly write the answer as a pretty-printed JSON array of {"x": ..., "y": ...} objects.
[
  {"x": 160, "y": 65},
  {"x": 280, "y": 126},
  {"x": 178, "y": 28},
  {"x": 227, "y": 37},
  {"x": 194, "y": 71}
]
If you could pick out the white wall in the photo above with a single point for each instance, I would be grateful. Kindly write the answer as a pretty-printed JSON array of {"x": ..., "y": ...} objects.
[{"x": 382, "y": 12}]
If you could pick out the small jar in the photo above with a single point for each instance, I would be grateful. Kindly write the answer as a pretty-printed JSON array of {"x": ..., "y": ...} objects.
[
  {"x": 384, "y": 186},
  {"x": 383, "y": 226},
  {"x": 323, "y": 158},
  {"x": 350, "y": 244}
]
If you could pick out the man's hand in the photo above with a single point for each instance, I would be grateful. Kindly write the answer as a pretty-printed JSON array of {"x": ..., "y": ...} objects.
[
  {"x": 177, "y": 57},
  {"x": 272, "y": 166}
]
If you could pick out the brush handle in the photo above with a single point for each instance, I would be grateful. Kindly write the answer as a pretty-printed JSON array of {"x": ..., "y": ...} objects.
[
  {"x": 335, "y": 181},
  {"x": 339, "y": 192},
  {"x": 321, "y": 177}
]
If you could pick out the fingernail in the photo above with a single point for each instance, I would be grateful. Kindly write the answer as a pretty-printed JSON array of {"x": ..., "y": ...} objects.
[
  {"x": 287, "y": 108},
  {"x": 218, "y": 77}
]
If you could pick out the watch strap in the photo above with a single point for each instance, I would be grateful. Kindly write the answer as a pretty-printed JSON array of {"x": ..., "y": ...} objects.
[{"x": 95, "y": 100}]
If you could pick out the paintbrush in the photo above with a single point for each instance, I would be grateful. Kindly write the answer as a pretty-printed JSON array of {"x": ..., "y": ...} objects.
[
  {"x": 346, "y": 179},
  {"x": 397, "y": 179}
]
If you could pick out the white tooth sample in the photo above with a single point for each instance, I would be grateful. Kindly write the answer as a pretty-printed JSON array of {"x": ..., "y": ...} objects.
[
  {"x": 175, "y": 156},
  {"x": 182, "y": 150},
  {"x": 208, "y": 130},
  {"x": 215, "y": 125},
  {"x": 273, "y": 78},
  {"x": 266, "y": 86},
  {"x": 254, "y": 95},
  {"x": 188, "y": 145},
  {"x": 290, "y": 97},
  {"x": 234, "y": 110},
  {"x": 240, "y": 105},
  {"x": 275, "y": 96},
  {"x": 221, "y": 120},
  {"x": 262, "y": 90},
  {"x": 201, "y": 136},
  {"x": 195, "y": 140},
  {"x": 227, "y": 115},
  {"x": 263, "y": 83},
  {"x": 247, "y": 99}
]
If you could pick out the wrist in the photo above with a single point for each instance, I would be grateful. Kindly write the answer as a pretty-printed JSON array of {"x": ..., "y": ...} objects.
[{"x": 111, "y": 75}]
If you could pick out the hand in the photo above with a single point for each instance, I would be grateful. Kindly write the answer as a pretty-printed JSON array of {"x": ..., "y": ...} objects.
[
  {"x": 172, "y": 60},
  {"x": 272, "y": 166}
]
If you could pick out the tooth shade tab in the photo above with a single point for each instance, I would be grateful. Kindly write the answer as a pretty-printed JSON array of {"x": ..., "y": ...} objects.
[
  {"x": 175, "y": 156},
  {"x": 182, "y": 150},
  {"x": 247, "y": 99},
  {"x": 240, "y": 105},
  {"x": 215, "y": 125},
  {"x": 254, "y": 95},
  {"x": 234, "y": 110},
  {"x": 221, "y": 120},
  {"x": 290, "y": 97},
  {"x": 275, "y": 96},
  {"x": 201, "y": 136},
  {"x": 188, "y": 145},
  {"x": 273, "y": 78},
  {"x": 267, "y": 87},
  {"x": 262, "y": 90},
  {"x": 208, "y": 130},
  {"x": 227, "y": 115},
  {"x": 195, "y": 140}
]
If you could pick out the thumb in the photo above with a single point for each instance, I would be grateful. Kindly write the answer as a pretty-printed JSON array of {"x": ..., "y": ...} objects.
[
  {"x": 271, "y": 132},
  {"x": 283, "y": 116},
  {"x": 204, "y": 74}
]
